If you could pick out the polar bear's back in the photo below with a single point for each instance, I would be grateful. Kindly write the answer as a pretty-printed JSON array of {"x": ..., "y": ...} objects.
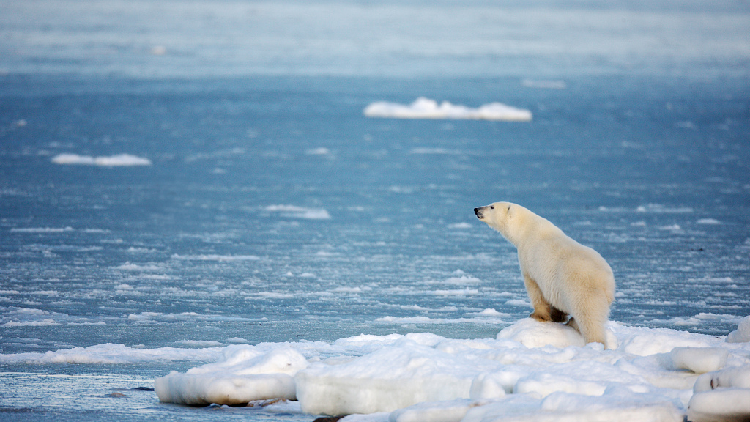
[
  {"x": 562, "y": 266},
  {"x": 585, "y": 268}
]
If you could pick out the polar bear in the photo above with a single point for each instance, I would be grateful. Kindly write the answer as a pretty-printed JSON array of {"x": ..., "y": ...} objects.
[{"x": 562, "y": 277}]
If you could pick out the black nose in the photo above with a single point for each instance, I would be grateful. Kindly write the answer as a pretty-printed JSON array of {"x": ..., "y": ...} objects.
[{"x": 476, "y": 211}]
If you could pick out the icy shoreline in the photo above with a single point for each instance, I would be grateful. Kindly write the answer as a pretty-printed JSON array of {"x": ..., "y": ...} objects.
[{"x": 532, "y": 370}]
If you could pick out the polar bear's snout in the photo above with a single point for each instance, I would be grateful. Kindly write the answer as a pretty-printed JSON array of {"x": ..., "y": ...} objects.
[{"x": 478, "y": 212}]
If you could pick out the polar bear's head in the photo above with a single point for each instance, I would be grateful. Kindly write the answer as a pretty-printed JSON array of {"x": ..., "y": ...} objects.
[{"x": 503, "y": 217}]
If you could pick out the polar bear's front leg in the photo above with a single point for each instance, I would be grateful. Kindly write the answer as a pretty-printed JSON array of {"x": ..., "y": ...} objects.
[{"x": 543, "y": 311}]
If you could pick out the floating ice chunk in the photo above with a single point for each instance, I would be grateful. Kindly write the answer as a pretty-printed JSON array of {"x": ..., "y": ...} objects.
[
  {"x": 742, "y": 333},
  {"x": 66, "y": 229},
  {"x": 673, "y": 227},
  {"x": 135, "y": 267},
  {"x": 660, "y": 208},
  {"x": 203, "y": 389},
  {"x": 699, "y": 359},
  {"x": 39, "y": 323},
  {"x": 532, "y": 333},
  {"x": 120, "y": 160},
  {"x": 424, "y": 108},
  {"x": 244, "y": 374},
  {"x": 292, "y": 211},
  {"x": 723, "y": 405},
  {"x": 220, "y": 258},
  {"x": 708, "y": 221},
  {"x": 73, "y": 159}
]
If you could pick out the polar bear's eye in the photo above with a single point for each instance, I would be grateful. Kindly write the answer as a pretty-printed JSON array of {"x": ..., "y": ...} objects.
[
  {"x": 508, "y": 207},
  {"x": 492, "y": 207}
]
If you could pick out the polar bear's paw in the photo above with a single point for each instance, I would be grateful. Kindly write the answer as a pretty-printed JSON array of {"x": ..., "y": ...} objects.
[{"x": 549, "y": 315}]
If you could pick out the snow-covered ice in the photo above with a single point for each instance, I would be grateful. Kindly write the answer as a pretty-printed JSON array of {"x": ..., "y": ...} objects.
[
  {"x": 243, "y": 375},
  {"x": 742, "y": 333},
  {"x": 721, "y": 396},
  {"x": 531, "y": 371},
  {"x": 120, "y": 160},
  {"x": 425, "y": 108},
  {"x": 699, "y": 359}
]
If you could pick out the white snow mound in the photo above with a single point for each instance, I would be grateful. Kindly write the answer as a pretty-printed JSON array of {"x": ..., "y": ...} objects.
[
  {"x": 742, "y": 333},
  {"x": 532, "y": 333}
]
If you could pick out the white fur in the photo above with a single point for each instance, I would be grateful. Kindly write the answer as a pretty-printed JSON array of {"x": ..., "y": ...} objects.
[{"x": 562, "y": 277}]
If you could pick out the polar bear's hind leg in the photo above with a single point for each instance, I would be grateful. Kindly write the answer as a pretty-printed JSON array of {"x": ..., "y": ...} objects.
[
  {"x": 591, "y": 323},
  {"x": 543, "y": 311}
]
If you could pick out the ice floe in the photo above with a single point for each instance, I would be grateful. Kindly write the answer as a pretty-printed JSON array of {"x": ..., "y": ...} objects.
[
  {"x": 531, "y": 371},
  {"x": 66, "y": 229},
  {"x": 242, "y": 375},
  {"x": 425, "y": 108},
  {"x": 213, "y": 257},
  {"x": 120, "y": 160},
  {"x": 293, "y": 211}
]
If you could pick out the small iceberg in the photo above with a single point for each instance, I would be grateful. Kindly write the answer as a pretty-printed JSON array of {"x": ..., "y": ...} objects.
[
  {"x": 120, "y": 160},
  {"x": 425, "y": 108}
]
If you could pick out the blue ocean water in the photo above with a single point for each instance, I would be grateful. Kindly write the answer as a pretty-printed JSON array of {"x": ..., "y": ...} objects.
[{"x": 273, "y": 210}]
